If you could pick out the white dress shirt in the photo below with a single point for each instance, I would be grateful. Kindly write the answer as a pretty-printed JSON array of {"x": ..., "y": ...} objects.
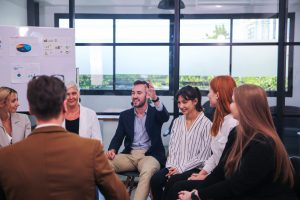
[{"x": 219, "y": 141}]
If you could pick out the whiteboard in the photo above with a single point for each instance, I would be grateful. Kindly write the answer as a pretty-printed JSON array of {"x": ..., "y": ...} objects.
[{"x": 30, "y": 51}]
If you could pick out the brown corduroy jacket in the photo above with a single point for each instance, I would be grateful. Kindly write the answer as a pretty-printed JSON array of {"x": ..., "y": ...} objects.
[{"x": 53, "y": 164}]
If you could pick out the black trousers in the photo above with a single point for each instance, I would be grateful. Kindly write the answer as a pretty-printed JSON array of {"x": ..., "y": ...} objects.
[
  {"x": 160, "y": 184},
  {"x": 178, "y": 186},
  {"x": 172, "y": 193}
]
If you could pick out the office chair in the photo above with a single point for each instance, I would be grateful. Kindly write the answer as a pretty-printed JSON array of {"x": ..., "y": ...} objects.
[{"x": 130, "y": 182}]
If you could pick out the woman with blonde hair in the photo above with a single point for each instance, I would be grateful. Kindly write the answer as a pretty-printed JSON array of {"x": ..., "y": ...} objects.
[
  {"x": 220, "y": 96},
  {"x": 14, "y": 127},
  {"x": 257, "y": 165}
]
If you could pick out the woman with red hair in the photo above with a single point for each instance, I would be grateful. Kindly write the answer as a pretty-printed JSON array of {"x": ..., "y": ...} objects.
[{"x": 220, "y": 97}]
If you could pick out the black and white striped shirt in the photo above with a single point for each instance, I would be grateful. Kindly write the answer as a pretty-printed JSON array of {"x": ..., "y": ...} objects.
[{"x": 189, "y": 149}]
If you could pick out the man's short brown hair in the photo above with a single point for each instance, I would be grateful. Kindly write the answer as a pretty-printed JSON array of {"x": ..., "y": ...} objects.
[{"x": 46, "y": 95}]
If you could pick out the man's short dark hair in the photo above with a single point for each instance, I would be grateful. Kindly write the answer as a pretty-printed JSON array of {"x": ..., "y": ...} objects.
[
  {"x": 46, "y": 95},
  {"x": 141, "y": 82}
]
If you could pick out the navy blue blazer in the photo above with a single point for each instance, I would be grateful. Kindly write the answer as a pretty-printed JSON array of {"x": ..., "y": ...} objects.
[{"x": 154, "y": 122}]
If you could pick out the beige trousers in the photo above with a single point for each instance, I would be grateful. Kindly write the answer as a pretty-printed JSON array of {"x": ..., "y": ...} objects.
[{"x": 136, "y": 160}]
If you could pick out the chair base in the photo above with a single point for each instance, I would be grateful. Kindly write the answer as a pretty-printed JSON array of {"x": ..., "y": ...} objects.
[{"x": 130, "y": 182}]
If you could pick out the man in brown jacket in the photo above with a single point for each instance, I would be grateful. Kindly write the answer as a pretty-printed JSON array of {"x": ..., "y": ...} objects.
[{"x": 53, "y": 164}]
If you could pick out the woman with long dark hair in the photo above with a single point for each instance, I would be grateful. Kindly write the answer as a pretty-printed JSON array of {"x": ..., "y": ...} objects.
[
  {"x": 256, "y": 166},
  {"x": 189, "y": 143}
]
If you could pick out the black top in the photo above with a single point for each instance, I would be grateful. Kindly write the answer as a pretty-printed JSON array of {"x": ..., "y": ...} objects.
[
  {"x": 253, "y": 180},
  {"x": 73, "y": 125}
]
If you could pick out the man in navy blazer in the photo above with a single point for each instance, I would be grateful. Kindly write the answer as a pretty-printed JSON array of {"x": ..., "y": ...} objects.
[{"x": 141, "y": 128}]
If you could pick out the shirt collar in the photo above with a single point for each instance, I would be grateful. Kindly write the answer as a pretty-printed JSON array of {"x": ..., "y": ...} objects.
[
  {"x": 46, "y": 125},
  {"x": 228, "y": 116},
  {"x": 135, "y": 113}
]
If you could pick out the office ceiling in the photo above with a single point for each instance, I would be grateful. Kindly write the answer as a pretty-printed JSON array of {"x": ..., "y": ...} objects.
[{"x": 142, "y": 3}]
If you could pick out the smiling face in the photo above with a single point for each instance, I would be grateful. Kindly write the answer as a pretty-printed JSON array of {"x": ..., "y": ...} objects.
[
  {"x": 13, "y": 102},
  {"x": 186, "y": 106},
  {"x": 72, "y": 97},
  {"x": 139, "y": 95}
]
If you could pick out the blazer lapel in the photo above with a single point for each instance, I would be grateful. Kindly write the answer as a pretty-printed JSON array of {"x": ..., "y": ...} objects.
[
  {"x": 82, "y": 123},
  {"x": 17, "y": 130},
  {"x": 131, "y": 124},
  {"x": 14, "y": 119},
  {"x": 148, "y": 119}
]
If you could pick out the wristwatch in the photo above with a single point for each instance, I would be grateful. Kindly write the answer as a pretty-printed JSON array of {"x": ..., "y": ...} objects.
[
  {"x": 155, "y": 100},
  {"x": 194, "y": 196}
]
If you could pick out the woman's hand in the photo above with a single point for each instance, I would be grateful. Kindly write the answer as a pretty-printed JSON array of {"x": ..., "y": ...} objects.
[
  {"x": 172, "y": 171},
  {"x": 200, "y": 176},
  {"x": 186, "y": 195}
]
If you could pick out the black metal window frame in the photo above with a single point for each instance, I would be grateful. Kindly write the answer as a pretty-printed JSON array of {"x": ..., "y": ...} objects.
[{"x": 171, "y": 44}]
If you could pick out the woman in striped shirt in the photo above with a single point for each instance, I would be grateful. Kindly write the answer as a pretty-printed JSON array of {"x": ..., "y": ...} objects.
[{"x": 189, "y": 143}]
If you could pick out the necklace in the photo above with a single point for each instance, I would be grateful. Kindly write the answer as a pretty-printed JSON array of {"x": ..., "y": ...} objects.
[{"x": 73, "y": 115}]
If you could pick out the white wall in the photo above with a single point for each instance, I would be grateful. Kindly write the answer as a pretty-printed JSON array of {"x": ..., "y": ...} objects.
[
  {"x": 47, "y": 14},
  {"x": 47, "y": 11},
  {"x": 13, "y": 12}
]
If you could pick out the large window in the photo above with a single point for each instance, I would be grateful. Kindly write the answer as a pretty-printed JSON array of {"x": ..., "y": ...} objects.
[
  {"x": 244, "y": 46},
  {"x": 114, "y": 50}
]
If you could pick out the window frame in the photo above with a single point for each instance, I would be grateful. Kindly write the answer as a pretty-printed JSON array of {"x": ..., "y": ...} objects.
[
  {"x": 115, "y": 17},
  {"x": 171, "y": 44}
]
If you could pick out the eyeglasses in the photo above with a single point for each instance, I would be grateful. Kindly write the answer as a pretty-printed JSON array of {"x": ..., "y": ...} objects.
[{"x": 59, "y": 76}]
